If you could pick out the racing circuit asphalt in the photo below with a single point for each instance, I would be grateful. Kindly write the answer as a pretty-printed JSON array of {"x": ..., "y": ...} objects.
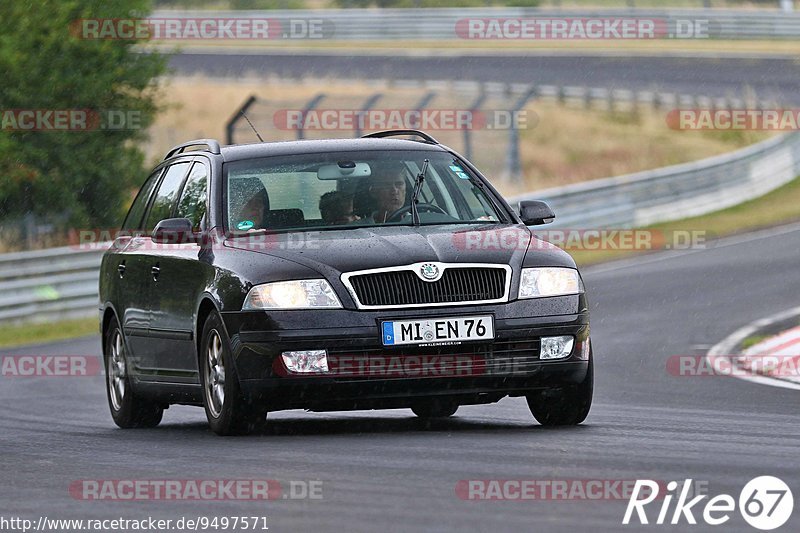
[
  {"x": 387, "y": 471},
  {"x": 770, "y": 77}
]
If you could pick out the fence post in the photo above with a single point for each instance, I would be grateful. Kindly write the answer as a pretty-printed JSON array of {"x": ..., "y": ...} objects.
[
  {"x": 310, "y": 106},
  {"x": 371, "y": 101},
  {"x": 422, "y": 104},
  {"x": 475, "y": 106},
  {"x": 514, "y": 165},
  {"x": 230, "y": 126}
]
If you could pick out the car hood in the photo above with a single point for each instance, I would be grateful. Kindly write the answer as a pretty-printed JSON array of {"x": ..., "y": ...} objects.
[{"x": 333, "y": 252}]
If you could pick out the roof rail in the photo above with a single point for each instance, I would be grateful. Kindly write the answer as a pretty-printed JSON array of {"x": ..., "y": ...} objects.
[
  {"x": 211, "y": 145},
  {"x": 395, "y": 133}
]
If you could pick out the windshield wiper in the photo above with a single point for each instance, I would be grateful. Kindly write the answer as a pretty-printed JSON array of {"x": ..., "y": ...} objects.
[{"x": 418, "y": 187}]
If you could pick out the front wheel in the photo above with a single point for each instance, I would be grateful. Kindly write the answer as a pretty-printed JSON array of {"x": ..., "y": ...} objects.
[
  {"x": 227, "y": 410},
  {"x": 127, "y": 409},
  {"x": 567, "y": 406}
]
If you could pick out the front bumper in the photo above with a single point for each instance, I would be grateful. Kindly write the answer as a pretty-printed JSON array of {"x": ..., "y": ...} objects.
[{"x": 369, "y": 375}]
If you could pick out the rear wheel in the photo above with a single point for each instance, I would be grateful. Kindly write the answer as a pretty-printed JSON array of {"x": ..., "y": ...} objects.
[
  {"x": 127, "y": 409},
  {"x": 227, "y": 410},
  {"x": 566, "y": 406},
  {"x": 435, "y": 408}
]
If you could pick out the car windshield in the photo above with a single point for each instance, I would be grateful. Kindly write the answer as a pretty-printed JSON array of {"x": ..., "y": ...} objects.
[{"x": 352, "y": 189}]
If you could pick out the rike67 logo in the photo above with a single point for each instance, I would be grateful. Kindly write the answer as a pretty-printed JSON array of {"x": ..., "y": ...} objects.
[{"x": 765, "y": 503}]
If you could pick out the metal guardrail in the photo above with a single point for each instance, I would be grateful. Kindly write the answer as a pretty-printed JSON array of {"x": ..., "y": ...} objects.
[
  {"x": 62, "y": 282},
  {"x": 675, "y": 192},
  {"x": 440, "y": 24},
  {"x": 51, "y": 284}
]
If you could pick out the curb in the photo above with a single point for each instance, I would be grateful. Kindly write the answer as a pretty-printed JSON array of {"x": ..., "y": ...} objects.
[{"x": 731, "y": 346}]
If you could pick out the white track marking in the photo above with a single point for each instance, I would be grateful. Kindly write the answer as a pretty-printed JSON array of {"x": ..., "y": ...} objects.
[{"x": 727, "y": 345}]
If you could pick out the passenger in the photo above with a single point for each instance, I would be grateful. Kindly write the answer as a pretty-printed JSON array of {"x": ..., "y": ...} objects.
[
  {"x": 253, "y": 212},
  {"x": 253, "y": 199},
  {"x": 336, "y": 208}
]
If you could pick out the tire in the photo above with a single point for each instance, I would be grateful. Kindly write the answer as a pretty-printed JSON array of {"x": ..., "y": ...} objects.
[
  {"x": 227, "y": 411},
  {"x": 567, "y": 406},
  {"x": 127, "y": 409},
  {"x": 435, "y": 408}
]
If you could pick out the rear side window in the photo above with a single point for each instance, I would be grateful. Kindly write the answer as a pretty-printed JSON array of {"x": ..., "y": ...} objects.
[
  {"x": 192, "y": 204},
  {"x": 166, "y": 196},
  {"x": 135, "y": 214}
]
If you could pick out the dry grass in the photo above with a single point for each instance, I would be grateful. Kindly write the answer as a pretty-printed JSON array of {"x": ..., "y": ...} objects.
[
  {"x": 567, "y": 145},
  {"x": 572, "y": 145}
]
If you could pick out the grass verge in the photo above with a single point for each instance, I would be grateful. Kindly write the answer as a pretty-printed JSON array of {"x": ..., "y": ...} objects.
[{"x": 25, "y": 334}]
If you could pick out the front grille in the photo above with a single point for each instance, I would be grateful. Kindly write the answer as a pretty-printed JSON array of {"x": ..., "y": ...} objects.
[
  {"x": 502, "y": 357},
  {"x": 404, "y": 287}
]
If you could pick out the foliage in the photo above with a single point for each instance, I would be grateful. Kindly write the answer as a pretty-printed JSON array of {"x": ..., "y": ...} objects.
[{"x": 85, "y": 175}]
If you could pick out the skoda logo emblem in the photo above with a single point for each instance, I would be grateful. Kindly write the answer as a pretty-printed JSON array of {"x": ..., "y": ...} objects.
[{"x": 429, "y": 271}]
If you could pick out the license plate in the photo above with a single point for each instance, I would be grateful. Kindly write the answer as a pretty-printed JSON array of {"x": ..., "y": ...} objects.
[{"x": 438, "y": 330}]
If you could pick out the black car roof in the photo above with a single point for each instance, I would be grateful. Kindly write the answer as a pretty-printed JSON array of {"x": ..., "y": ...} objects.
[{"x": 266, "y": 149}]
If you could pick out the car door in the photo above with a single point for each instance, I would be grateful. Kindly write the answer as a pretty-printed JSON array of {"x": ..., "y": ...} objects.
[
  {"x": 161, "y": 206},
  {"x": 184, "y": 270},
  {"x": 128, "y": 265}
]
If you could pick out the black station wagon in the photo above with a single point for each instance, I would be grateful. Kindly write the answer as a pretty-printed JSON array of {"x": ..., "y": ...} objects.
[{"x": 374, "y": 273}]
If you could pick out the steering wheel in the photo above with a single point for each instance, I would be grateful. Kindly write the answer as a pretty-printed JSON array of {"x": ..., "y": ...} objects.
[{"x": 430, "y": 208}]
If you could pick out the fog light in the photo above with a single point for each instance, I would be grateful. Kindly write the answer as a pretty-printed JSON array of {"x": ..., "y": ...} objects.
[
  {"x": 306, "y": 362},
  {"x": 556, "y": 347}
]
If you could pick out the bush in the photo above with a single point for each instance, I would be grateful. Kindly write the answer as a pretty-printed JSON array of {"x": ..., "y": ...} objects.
[{"x": 86, "y": 175}]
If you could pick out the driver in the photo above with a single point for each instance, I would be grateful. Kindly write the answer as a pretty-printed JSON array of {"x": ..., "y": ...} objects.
[{"x": 388, "y": 190}]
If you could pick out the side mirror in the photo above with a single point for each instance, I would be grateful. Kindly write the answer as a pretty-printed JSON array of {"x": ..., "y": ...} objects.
[
  {"x": 174, "y": 231},
  {"x": 535, "y": 213}
]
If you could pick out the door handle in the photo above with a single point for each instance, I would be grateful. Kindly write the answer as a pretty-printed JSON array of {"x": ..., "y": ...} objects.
[
  {"x": 121, "y": 269},
  {"x": 155, "y": 271}
]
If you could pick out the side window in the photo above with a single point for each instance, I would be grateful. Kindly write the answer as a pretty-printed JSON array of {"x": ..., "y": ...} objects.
[
  {"x": 166, "y": 196},
  {"x": 478, "y": 204},
  {"x": 135, "y": 214},
  {"x": 192, "y": 204}
]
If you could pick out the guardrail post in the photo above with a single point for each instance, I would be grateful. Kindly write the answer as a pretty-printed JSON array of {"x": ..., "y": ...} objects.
[
  {"x": 310, "y": 106},
  {"x": 561, "y": 95},
  {"x": 230, "y": 126}
]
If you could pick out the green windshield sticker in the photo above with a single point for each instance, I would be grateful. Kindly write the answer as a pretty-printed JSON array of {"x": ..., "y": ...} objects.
[
  {"x": 245, "y": 225},
  {"x": 462, "y": 175},
  {"x": 456, "y": 168}
]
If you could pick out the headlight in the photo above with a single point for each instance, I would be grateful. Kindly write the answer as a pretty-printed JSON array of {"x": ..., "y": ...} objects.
[
  {"x": 550, "y": 281},
  {"x": 301, "y": 294}
]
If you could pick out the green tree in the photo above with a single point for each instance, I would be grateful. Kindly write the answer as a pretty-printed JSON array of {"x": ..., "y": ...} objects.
[{"x": 83, "y": 177}]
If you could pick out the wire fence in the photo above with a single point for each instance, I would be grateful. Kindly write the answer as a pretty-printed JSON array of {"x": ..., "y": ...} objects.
[{"x": 485, "y": 122}]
